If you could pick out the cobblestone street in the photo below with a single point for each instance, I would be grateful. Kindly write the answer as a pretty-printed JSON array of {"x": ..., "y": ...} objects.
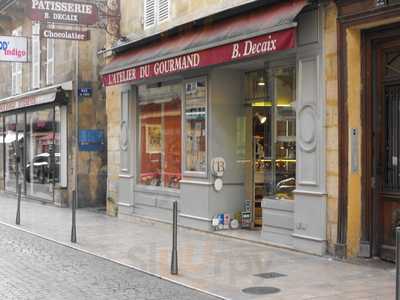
[{"x": 35, "y": 268}]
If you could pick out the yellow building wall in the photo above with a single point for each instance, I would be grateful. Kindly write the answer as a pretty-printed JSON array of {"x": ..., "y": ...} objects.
[
  {"x": 354, "y": 91},
  {"x": 353, "y": 38}
]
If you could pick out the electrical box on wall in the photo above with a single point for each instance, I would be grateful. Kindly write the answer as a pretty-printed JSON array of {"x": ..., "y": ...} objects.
[{"x": 354, "y": 149}]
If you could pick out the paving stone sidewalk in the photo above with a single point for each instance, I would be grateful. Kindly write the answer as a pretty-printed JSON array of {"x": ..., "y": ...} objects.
[
  {"x": 35, "y": 268},
  {"x": 220, "y": 265}
]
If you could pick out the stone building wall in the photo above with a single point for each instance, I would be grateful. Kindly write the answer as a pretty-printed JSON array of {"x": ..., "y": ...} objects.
[{"x": 332, "y": 147}]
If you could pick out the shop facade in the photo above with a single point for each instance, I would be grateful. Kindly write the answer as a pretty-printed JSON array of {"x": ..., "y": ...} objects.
[
  {"x": 52, "y": 116},
  {"x": 226, "y": 118},
  {"x": 34, "y": 144},
  {"x": 369, "y": 74}
]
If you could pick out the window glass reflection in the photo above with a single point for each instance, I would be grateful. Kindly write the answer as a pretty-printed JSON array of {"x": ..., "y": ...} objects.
[
  {"x": 39, "y": 171},
  {"x": 10, "y": 153}
]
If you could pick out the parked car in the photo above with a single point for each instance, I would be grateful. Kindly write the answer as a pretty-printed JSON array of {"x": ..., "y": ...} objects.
[{"x": 43, "y": 170}]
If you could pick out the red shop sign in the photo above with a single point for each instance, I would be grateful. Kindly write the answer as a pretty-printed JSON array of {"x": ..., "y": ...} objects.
[{"x": 249, "y": 48}]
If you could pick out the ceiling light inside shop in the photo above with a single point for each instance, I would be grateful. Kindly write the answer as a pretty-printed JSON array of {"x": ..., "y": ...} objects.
[
  {"x": 261, "y": 81},
  {"x": 261, "y": 118}
]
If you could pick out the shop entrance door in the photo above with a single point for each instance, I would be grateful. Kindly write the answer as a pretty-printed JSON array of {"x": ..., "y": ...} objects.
[
  {"x": 261, "y": 157},
  {"x": 388, "y": 147},
  {"x": 271, "y": 117}
]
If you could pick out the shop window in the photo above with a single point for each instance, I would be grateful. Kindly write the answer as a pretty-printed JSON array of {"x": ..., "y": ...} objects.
[
  {"x": 272, "y": 97},
  {"x": 41, "y": 169},
  {"x": 155, "y": 11},
  {"x": 2, "y": 135},
  {"x": 35, "y": 55},
  {"x": 159, "y": 115},
  {"x": 195, "y": 124},
  {"x": 10, "y": 152}
]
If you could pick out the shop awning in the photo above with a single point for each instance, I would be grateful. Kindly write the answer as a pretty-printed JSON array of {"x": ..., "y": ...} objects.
[
  {"x": 35, "y": 97},
  {"x": 260, "y": 32}
]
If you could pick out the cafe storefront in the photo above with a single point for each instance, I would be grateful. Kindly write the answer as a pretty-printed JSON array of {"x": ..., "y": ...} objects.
[
  {"x": 228, "y": 119},
  {"x": 33, "y": 144}
]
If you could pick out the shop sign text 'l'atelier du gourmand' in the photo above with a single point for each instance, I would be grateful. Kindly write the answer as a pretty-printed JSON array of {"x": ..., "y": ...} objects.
[{"x": 244, "y": 49}]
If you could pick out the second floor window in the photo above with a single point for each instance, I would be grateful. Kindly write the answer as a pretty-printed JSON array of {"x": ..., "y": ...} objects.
[
  {"x": 35, "y": 55},
  {"x": 50, "y": 62},
  {"x": 155, "y": 12},
  {"x": 16, "y": 70}
]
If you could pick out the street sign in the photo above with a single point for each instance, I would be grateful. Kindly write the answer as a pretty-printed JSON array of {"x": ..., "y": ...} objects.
[
  {"x": 73, "y": 35},
  {"x": 85, "y": 92},
  {"x": 13, "y": 48},
  {"x": 79, "y": 13}
]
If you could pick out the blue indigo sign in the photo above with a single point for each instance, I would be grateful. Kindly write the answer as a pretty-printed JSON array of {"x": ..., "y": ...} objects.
[
  {"x": 91, "y": 140},
  {"x": 85, "y": 92}
]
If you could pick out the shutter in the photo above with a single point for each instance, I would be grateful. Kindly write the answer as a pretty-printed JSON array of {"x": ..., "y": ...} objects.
[
  {"x": 13, "y": 78},
  {"x": 50, "y": 62},
  {"x": 35, "y": 55},
  {"x": 163, "y": 10},
  {"x": 18, "y": 80},
  {"x": 149, "y": 13},
  {"x": 16, "y": 76}
]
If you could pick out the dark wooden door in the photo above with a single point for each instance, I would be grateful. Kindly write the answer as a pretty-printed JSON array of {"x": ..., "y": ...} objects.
[{"x": 388, "y": 171}]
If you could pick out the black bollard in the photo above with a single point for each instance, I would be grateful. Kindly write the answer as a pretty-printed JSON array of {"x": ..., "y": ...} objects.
[
  {"x": 174, "y": 257},
  {"x": 397, "y": 263},
  {"x": 73, "y": 230},
  {"x": 18, "y": 217}
]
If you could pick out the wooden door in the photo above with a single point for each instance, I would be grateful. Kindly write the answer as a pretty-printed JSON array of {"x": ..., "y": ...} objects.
[{"x": 388, "y": 171}]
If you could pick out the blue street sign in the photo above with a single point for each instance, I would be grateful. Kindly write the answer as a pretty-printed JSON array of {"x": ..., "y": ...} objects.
[
  {"x": 91, "y": 140},
  {"x": 85, "y": 92}
]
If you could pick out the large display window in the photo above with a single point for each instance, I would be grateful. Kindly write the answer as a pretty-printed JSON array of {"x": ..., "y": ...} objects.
[
  {"x": 159, "y": 115},
  {"x": 32, "y": 151}
]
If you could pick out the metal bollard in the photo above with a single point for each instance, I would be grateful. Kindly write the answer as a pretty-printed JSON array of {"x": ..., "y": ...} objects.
[
  {"x": 73, "y": 230},
  {"x": 174, "y": 257},
  {"x": 397, "y": 263},
  {"x": 18, "y": 217}
]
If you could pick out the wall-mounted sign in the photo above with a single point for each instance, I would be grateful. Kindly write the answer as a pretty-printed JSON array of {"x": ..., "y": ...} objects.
[
  {"x": 218, "y": 166},
  {"x": 85, "y": 92},
  {"x": 13, "y": 48},
  {"x": 62, "y": 34},
  {"x": 81, "y": 13},
  {"x": 91, "y": 140},
  {"x": 218, "y": 184},
  {"x": 26, "y": 102}
]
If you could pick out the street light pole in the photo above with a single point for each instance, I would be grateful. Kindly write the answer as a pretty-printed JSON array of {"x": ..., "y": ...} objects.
[{"x": 75, "y": 192}]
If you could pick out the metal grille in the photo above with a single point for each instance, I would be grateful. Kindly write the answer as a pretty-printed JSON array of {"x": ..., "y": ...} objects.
[{"x": 392, "y": 138}]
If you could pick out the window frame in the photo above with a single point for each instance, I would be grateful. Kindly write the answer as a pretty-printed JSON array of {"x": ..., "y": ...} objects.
[
  {"x": 185, "y": 172},
  {"x": 156, "y": 13}
]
